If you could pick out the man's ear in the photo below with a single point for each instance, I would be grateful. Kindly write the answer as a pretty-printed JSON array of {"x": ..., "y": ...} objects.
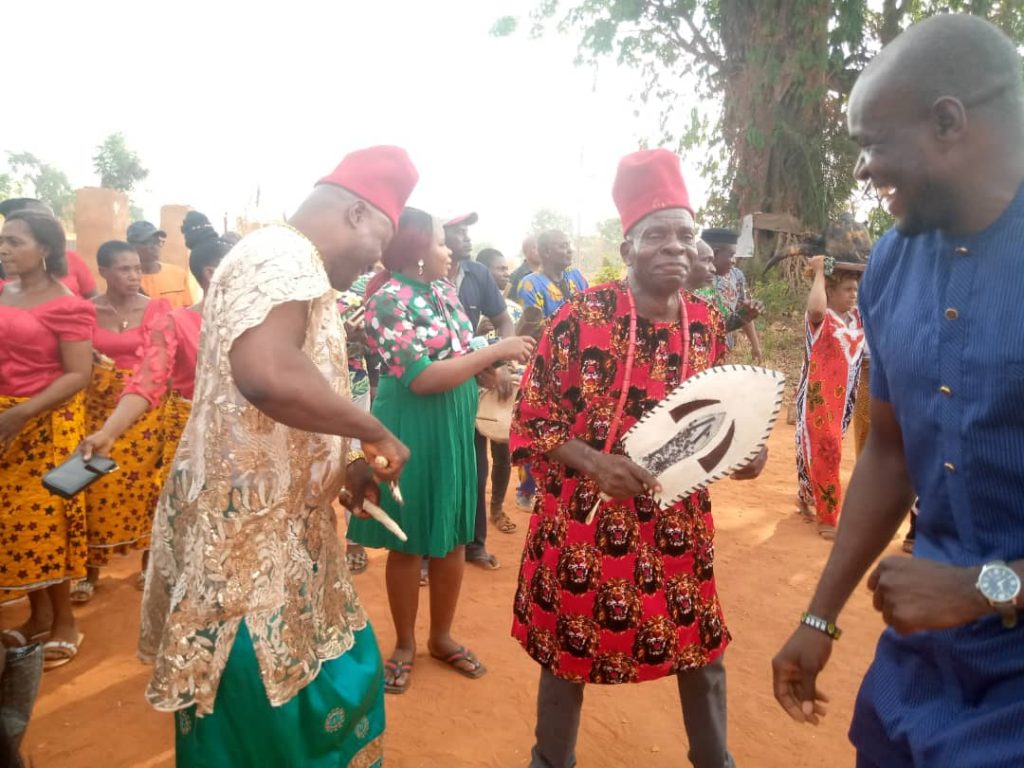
[
  {"x": 358, "y": 212},
  {"x": 949, "y": 119},
  {"x": 626, "y": 252}
]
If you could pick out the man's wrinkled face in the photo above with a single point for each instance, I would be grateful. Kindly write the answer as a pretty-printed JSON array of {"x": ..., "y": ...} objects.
[{"x": 660, "y": 249}]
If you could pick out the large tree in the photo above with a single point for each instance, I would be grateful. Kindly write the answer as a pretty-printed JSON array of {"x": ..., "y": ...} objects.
[
  {"x": 778, "y": 73},
  {"x": 31, "y": 177}
]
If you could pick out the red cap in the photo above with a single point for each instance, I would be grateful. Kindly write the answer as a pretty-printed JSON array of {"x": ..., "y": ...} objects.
[
  {"x": 648, "y": 181},
  {"x": 469, "y": 219},
  {"x": 382, "y": 176}
]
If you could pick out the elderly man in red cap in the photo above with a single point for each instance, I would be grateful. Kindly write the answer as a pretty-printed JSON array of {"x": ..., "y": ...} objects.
[
  {"x": 630, "y": 596},
  {"x": 259, "y": 642}
]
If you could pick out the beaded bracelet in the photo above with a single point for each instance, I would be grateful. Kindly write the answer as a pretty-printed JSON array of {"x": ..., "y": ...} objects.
[{"x": 818, "y": 623}]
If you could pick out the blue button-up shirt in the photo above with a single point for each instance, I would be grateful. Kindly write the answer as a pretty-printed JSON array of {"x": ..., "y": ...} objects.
[{"x": 944, "y": 317}]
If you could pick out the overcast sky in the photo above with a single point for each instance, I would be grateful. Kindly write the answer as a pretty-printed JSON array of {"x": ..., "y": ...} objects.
[{"x": 221, "y": 97}]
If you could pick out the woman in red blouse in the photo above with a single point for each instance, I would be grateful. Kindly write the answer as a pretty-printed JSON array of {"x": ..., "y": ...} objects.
[
  {"x": 119, "y": 507},
  {"x": 167, "y": 366},
  {"x": 45, "y": 361}
]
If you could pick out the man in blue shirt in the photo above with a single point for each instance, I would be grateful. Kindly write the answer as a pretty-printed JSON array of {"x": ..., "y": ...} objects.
[
  {"x": 479, "y": 295},
  {"x": 557, "y": 280},
  {"x": 939, "y": 118}
]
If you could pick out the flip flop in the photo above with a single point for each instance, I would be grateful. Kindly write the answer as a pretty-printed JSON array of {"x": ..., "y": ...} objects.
[
  {"x": 462, "y": 654},
  {"x": 57, "y": 653},
  {"x": 827, "y": 532},
  {"x": 82, "y": 592},
  {"x": 487, "y": 562},
  {"x": 397, "y": 669},
  {"x": 503, "y": 523}
]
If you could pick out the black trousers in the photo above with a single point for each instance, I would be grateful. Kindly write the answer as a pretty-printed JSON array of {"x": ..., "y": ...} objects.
[{"x": 701, "y": 694}]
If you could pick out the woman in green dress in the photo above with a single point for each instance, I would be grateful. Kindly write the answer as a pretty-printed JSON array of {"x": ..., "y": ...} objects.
[{"x": 427, "y": 397}]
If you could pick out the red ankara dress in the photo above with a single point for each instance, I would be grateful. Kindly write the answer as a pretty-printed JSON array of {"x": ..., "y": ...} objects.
[
  {"x": 120, "y": 506},
  {"x": 824, "y": 403},
  {"x": 42, "y": 537},
  {"x": 630, "y": 597}
]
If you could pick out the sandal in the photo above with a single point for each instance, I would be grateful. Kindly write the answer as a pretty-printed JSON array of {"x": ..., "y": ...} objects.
[
  {"x": 396, "y": 669},
  {"x": 805, "y": 510},
  {"x": 356, "y": 561},
  {"x": 487, "y": 562},
  {"x": 461, "y": 656},
  {"x": 82, "y": 592},
  {"x": 503, "y": 523},
  {"x": 57, "y": 653},
  {"x": 826, "y": 531}
]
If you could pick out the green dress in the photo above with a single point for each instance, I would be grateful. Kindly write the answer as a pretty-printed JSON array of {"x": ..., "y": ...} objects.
[
  {"x": 337, "y": 720},
  {"x": 410, "y": 325}
]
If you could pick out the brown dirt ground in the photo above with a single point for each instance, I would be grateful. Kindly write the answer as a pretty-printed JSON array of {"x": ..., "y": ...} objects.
[{"x": 92, "y": 712}]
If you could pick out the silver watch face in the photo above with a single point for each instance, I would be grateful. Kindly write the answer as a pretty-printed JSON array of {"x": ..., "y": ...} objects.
[{"x": 999, "y": 583}]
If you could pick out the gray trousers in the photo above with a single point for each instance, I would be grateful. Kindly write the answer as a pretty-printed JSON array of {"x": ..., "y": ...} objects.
[{"x": 701, "y": 694}]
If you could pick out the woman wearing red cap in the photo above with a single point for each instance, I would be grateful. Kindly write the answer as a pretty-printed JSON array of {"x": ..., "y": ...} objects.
[
  {"x": 630, "y": 596},
  {"x": 427, "y": 396}
]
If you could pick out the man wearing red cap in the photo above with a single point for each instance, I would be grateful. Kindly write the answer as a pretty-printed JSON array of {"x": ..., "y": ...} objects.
[
  {"x": 259, "y": 643},
  {"x": 631, "y": 596}
]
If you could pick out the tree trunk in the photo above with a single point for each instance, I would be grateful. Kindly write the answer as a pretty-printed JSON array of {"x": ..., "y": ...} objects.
[{"x": 777, "y": 107}]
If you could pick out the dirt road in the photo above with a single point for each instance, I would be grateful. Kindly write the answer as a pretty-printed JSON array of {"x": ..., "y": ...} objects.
[{"x": 92, "y": 713}]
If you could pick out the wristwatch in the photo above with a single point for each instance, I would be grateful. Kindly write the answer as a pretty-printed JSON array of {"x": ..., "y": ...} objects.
[{"x": 1000, "y": 585}]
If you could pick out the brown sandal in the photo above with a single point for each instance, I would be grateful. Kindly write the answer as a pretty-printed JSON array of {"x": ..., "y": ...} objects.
[{"x": 503, "y": 523}]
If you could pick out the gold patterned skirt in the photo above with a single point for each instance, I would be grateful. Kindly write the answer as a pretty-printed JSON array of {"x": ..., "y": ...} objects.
[
  {"x": 176, "y": 412},
  {"x": 42, "y": 536},
  {"x": 119, "y": 507}
]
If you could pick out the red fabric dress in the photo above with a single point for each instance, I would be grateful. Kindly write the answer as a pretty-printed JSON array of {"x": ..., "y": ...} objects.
[
  {"x": 630, "y": 597},
  {"x": 120, "y": 506},
  {"x": 172, "y": 357},
  {"x": 42, "y": 537},
  {"x": 824, "y": 406}
]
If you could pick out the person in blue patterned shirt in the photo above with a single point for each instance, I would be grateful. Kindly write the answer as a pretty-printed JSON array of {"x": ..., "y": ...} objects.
[
  {"x": 939, "y": 118},
  {"x": 557, "y": 279}
]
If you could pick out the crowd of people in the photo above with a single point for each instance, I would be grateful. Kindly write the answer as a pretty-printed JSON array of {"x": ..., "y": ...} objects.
[{"x": 341, "y": 357}]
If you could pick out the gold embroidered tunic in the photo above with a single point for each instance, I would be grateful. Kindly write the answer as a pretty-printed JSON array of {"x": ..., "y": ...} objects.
[{"x": 244, "y": 529}]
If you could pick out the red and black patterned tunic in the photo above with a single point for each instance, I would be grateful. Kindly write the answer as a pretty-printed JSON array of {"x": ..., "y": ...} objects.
[{"x": 630, "y": 597}]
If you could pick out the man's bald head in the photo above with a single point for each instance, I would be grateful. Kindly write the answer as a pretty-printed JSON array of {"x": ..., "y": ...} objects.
[
  {"x": 939, "y": 120},
  {"x": 951, "y": 55}
]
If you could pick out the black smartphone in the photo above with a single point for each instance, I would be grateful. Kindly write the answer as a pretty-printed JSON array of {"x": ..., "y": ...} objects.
[{"x": 76, "y": 474}]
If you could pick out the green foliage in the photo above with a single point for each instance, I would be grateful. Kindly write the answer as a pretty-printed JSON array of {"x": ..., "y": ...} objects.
[
  {"x": 31, "y": 177},
  {"x": 547, "y": 218},
  {"x": 6, "y": 186},
  {"x": 773, "y": 79},
  {"x": 879, "y": 222},
  {"x": 609, "y": 271},
  {"x": 118, "y": 166}
]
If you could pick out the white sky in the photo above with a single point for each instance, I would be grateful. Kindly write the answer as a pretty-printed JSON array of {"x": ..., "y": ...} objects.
[{"x": 222, "y": 96}]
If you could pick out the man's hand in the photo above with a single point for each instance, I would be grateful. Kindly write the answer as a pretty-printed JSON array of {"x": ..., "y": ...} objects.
[
  {"x": 795, "y": 672},
  {"x": 97, "y": 444},
  {"x": 750, "y": 310},
  {"x": 360, "y": 484},
  {"x": 754, "y": 468},
  {"x": 914, "y": 594},
  {"x": 505, "y": 384},
  {"x": 394, "y": 453},
  {"x": 620, "y": 478},
  {"x": 12, "y": 421},
  {"x": 487, "y": 378}
]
